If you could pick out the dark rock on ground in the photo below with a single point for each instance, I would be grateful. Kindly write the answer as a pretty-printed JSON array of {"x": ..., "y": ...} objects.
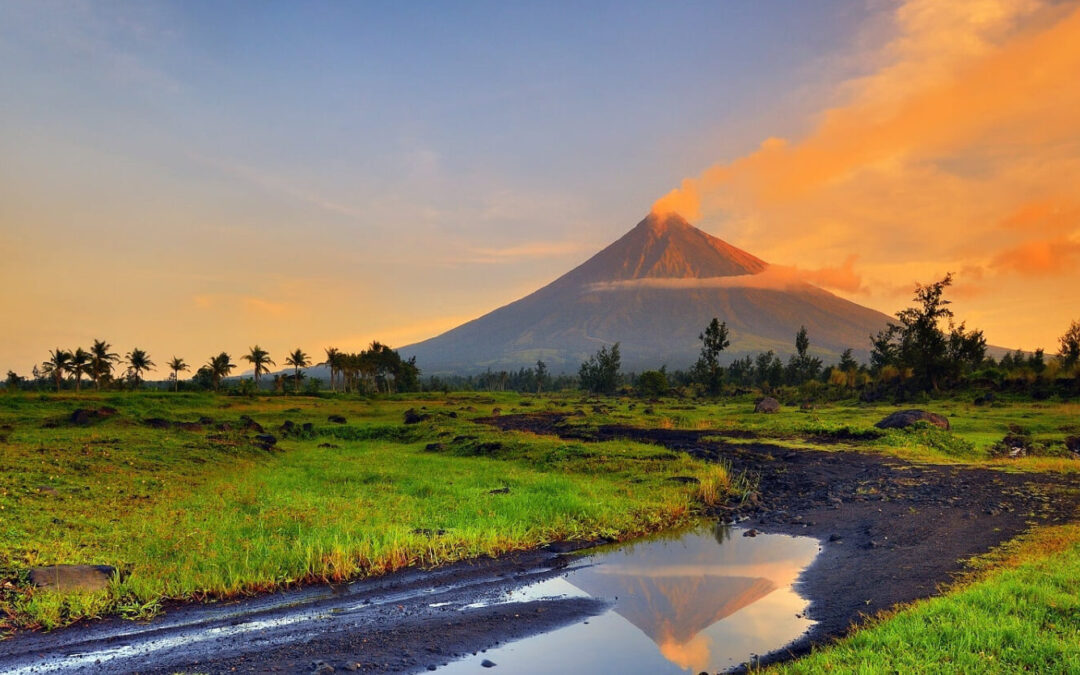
[
  {"x": 499, "y": 491},
  {"x": 266, "y": 440},
  {"x": 157, "y": 423},
  {"x": 767, "y": 405},
  {"x": 188, "y": 426},
  {"x": 414, "y": 417},
  {"x": 487, "y": 663},
  {"x": 48, "y": 491},
  {"x": 308, "y": 428},
  {"x": 434, "y": 447},
  {"x": 248, "y": 424},
  {"x": 495, "y": 412},
  {"x": 84, "y": 416},
  {"x": 905, "y": 418},
  {"x": 72, "y": 577},
  {"x": 336, "y": 419}
]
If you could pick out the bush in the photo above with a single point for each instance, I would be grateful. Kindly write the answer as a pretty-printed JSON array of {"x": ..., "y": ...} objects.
[{"x": 652, "y": 383}]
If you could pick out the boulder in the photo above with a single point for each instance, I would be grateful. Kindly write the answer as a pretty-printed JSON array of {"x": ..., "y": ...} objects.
[
  {"x": 72, "y": 577},
  {"x": 83, "y": 416},
  {"x": 905, "y": 418},
  {"x": 767, "y": 405},
  {"x": 336, "y": 419},
  {"x": 266, "y": 440},
  {"x": 413, "y": 417}
]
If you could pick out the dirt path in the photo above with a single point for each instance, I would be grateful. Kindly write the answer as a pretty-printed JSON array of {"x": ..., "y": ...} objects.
[{"x": 893, "y": 531}]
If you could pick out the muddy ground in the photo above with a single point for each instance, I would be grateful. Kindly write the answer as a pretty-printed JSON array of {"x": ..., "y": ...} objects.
[{"x": 892, "y": 532}]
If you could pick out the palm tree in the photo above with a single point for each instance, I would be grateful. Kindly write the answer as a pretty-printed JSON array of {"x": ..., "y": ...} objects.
[
  {"x": 259, "y": 358},
  {"x": 80, "y": 361},
  {"x": 220, "y": 367},
  {"x": 176, "y": 365},
  {"x": 298, "y": 359},
  {"x": 56, "y": 366},
  {"x": 333, "y": 360},
  {"x": 138, "y": 361},
  {"x": 101, "y": 362}
]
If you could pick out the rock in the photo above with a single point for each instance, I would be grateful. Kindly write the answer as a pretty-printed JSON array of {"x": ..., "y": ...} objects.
[
  {"x": 985, "y": 399},
  {"x": 156, "y": 423},
  {"x": 413, "y": 417},
  {"x": 207, "y": 421},
  {"x": 83, "y": 416},
  {"x": 1072, "y": 443},
  {"x": 905, "y": 418},
  {"x": 491, "y": 664},
  {"x": 337, "y": 419},
  {"x": 250, "y": 424},
  {"x": 328, "y": 445},
  {"x": 308, "y": 428},
  {"x": 835, "y": 537},
  {"x": 267, "y": 440},
  {"x": 750, "y": 533},
  {"x": 434, "y": 447},
  {"x": 48, "y": 491},
  {"x": 649, "y": 410},
  {"x": 495, "y": 412},
  {"x": 499, "y": 491},
  {"x": 72, "y": 577},
  {"x": 288, "y": 426},
  {"x": 321, "y": 667},
  {"x": 767, "y": 405}
]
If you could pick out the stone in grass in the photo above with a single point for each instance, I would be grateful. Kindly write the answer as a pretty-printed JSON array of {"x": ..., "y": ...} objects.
[
  {"x": 767, "y": 405},
  {"x": 487, "y": 663},
  {"x": 906, "y": 418},
  {"x": 72, "y": 577},
  {"x": 413, "y": 417},
  {"x": 266, "y": 440},
  {"x": 336, "y": 419}
]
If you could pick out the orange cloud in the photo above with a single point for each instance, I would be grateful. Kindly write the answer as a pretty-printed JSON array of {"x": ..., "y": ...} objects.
[
  {"x": 1040, "y": 258},
  {"x": 953, "y": 153}
]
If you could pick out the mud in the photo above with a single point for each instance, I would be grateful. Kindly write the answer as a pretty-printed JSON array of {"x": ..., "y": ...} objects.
[{"x": 892, "y": 531}]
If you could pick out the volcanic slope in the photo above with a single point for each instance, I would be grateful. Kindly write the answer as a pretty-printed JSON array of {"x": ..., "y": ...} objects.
[{"x": 653, "y": 291}]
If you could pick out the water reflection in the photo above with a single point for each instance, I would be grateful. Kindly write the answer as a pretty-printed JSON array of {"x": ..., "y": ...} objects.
[{"x": 697, "y": 600}]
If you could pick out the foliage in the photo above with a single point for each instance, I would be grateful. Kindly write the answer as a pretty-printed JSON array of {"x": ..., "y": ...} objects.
[
  {"x": 707, "y": 370},
  {"x": 653, "y": 383},
  {"x": 600, "y": 373},
  {"x": 936, "y": 358},
  {"x": 1069, "y": 350}
]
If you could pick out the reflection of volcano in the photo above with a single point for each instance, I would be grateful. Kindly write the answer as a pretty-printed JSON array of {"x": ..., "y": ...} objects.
[{"x": 674, "y": 608}]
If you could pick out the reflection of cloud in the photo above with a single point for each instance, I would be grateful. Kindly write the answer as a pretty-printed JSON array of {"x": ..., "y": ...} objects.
[{"x": 693, "y": 655}]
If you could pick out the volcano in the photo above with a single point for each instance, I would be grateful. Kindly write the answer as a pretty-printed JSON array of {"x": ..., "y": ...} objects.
[{"x": 653, "y": 291}]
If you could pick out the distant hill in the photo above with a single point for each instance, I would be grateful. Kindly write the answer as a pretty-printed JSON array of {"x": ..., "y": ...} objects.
[{"x": 654, "y": 290}]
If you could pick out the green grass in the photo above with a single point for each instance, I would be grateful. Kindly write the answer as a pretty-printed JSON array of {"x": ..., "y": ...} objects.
[
  {"x": 1022, "y": 615},
  {"x": 208, "y": 514}
]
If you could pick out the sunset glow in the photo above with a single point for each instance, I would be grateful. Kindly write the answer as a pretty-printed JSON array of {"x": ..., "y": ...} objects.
[{"x": 189, "y": 179}]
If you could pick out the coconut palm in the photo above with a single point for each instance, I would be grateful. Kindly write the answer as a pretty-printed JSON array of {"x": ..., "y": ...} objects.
[
  {"x": 79, "y": 364},
  {"x": 176, "y": 365},
  {"x": 56, "y": 366},
  {"x": 138, "y": 361},
  {"x": 220, "y": 366},
  {"x": 101, "y": 362},
  {"x": 333, "y": 361},
  {"x": 297, "y": 359},
  {"x": 260, "y": 358}
]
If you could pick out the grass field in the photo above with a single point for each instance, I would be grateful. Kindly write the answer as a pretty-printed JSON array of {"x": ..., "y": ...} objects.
[{"x": 198, "y": 511}]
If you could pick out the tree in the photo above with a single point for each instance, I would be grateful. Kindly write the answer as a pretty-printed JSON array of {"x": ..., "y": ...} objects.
[
  {"x": 138, "y": 362},
  {"x": 917, "y": 341},
  {"x": 297, "y": 359},
  {"x": 79, "y": 363},
  {"x": 176, "y": 365},
  {"x": 333, "y": 361},
  {"x": 1069, "y": 352},
  {"x": 219, "y": 367},
  {"x": 101, "y": 362},
  {"x": 260, "y": 359},
  {"x": 541, "y": 375},
  {"x": 56, "y": 366},
  {"x": 847, "y": 362},
  {"x": 13, "y": 381},
  {"x": 802, "y": 367},
  {"x": 707, "y": 370},
  {"x": 653, "y": 383},
  {"x": 600, "y": 373}
]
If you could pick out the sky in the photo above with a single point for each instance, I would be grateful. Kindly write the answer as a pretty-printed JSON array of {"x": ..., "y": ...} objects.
[{"x": 194, "y": 177}]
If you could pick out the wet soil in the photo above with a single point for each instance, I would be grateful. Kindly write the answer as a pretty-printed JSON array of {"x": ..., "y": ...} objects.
[{"x": 892, "y": 531}]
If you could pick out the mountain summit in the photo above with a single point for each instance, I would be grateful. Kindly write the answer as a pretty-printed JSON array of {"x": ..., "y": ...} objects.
[{"x": 653, "y": 290}]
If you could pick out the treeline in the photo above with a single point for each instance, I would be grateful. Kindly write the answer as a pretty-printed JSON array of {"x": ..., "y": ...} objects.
[
  {"x": 923, "y": 351},
  {"x": 377, "y": 369}
]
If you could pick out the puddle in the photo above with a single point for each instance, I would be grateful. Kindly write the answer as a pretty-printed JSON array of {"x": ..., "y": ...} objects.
[{"x": 705, "y": 599}]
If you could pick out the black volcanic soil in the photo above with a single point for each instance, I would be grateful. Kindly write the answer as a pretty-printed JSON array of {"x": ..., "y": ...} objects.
[{"x": 893, "y": 531}]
